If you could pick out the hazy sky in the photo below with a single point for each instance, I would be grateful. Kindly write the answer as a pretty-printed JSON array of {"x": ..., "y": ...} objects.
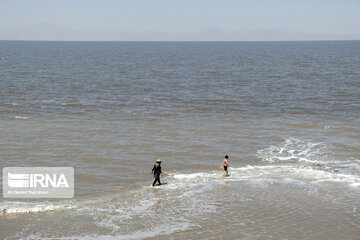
[{"x": 179, "y": 16}]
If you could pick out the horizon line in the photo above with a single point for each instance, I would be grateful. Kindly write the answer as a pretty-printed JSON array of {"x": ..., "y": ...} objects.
[{"x": 130, "y": 41}]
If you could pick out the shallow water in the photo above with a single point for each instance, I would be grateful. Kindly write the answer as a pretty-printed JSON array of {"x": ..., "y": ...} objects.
[{"x": 287, "y": 114}]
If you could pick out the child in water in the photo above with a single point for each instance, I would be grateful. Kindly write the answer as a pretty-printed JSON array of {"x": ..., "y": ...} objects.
[{"x": 225, "y": 165}]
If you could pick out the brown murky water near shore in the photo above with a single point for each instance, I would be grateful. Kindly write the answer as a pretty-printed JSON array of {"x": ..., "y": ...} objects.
[{"x": 287, "y": 114}]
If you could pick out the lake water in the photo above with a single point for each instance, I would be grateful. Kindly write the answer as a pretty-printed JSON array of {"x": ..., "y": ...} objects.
[{"x": 286, "y": 113}]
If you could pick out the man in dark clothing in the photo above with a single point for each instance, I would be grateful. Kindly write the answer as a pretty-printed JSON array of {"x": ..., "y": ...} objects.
[{"x": 156, "y": 171}]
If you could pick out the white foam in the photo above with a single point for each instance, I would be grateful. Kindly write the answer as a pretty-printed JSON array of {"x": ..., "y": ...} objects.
[
  {"x": 293, "y": 149},
  {"x": 47, "y": 101},
  {"x": 281, "y": 173},
  {"x": 19, "y": 117},
  {"x": 8, "y": 207},
  {"x": 151, "y": 233}
]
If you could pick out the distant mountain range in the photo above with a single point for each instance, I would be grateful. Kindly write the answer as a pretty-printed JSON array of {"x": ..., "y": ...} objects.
[{"x": 50, "y": 32}]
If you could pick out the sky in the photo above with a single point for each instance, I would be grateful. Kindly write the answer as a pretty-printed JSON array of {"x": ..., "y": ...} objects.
[{"x": 184, "y": 16}]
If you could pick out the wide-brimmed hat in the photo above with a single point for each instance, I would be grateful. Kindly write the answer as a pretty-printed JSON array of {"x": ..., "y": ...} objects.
[{"x": 159, "y": 161}]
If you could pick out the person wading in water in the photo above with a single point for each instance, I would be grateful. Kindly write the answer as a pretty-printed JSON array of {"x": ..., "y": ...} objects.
[
  {"x": 225, "y": 165},
  {"x": 157, "y": 171}
]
